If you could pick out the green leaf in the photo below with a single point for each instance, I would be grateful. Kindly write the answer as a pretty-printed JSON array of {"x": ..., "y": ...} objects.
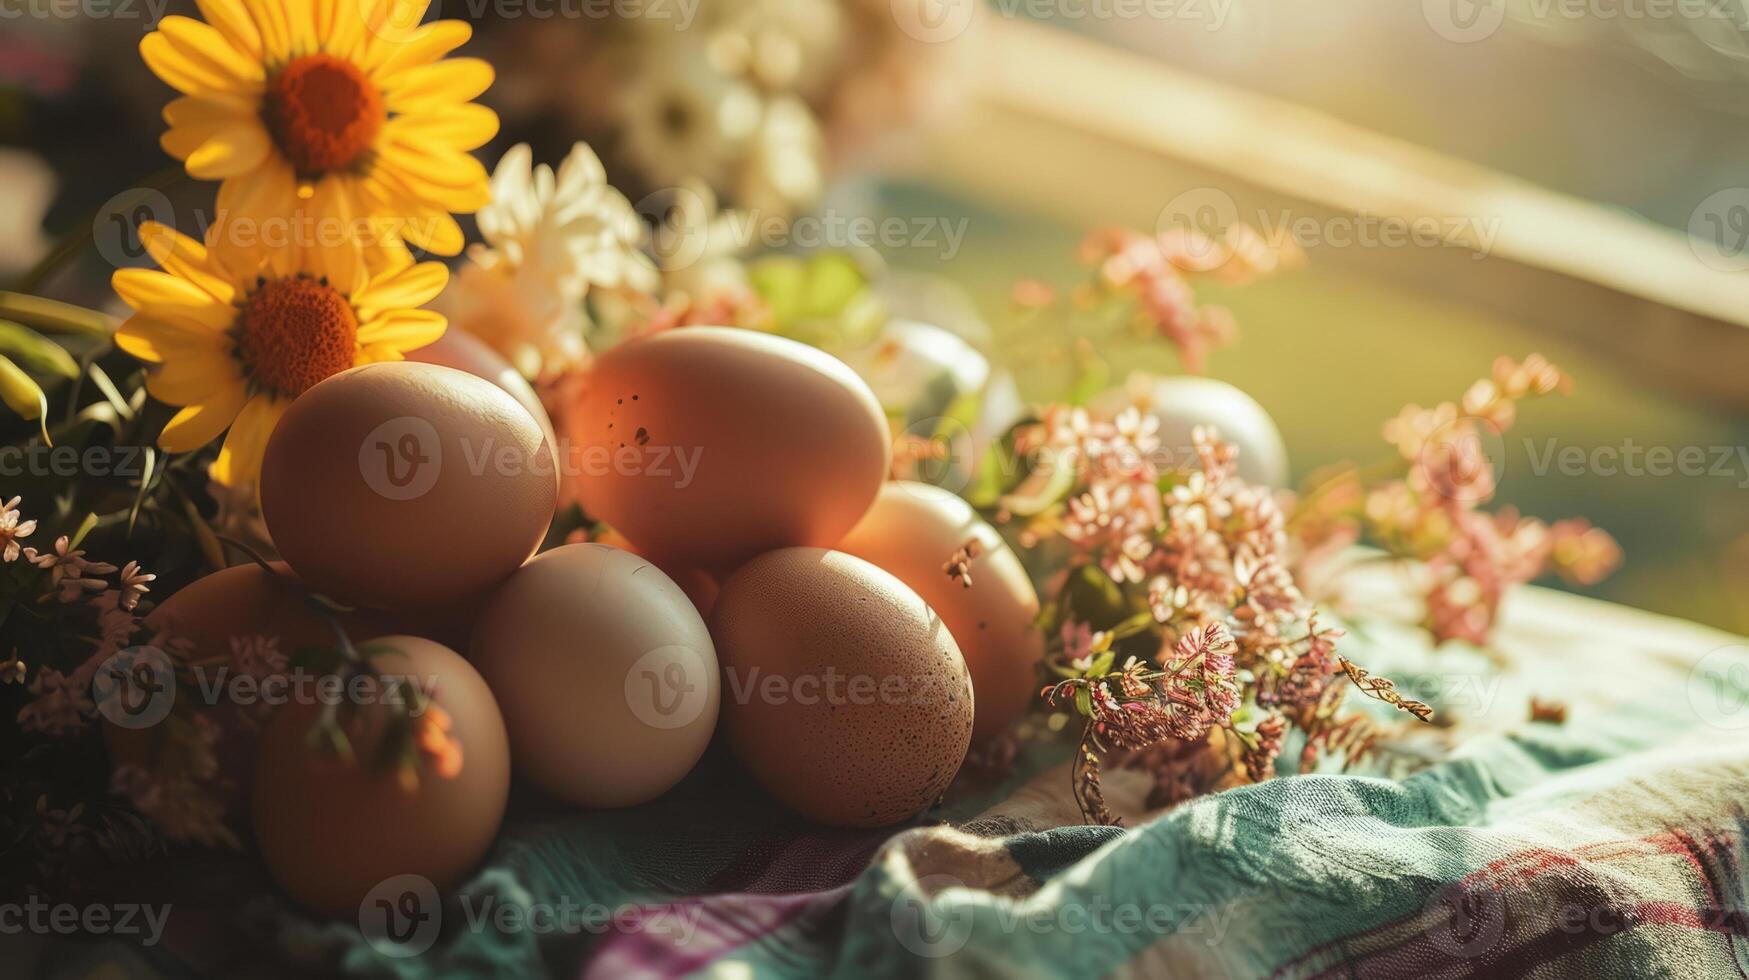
[
  {"x": 38, "y": 353},
  {"x": 1084, "y": 701},
  {"x": 1093, "y": 598},
  {"x": 780, "y": 280},
  {"x": 23, "y": 395},
  {"x": 53, "y": 317},
  {"x": 832, "y": 282}
]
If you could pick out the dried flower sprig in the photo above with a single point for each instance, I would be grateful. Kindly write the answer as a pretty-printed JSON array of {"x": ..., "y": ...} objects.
[
  {"x": 1180, "y": 576},
  {"x": 959, "y": 564},
  {"x": 1428, "y": 506}
]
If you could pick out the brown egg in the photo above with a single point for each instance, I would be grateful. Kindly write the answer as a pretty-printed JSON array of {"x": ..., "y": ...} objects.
[
  {"x": 406, "y": 486},
  {"x": 911, "y": 531},
  {"x": 330, "y": 831},
  {"x": 606, "y": 672},
  {"x": 465, "y": 352},
  {"x": 707, "y": 445},
  {"x": 241, "y": 608},
  {"x": 699, "y": 585},
  {"x": 847, "y": 697}
]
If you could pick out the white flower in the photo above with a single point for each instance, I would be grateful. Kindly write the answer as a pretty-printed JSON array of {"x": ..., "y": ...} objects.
[
  {"x": 550, "y": 238},
  {"x": 682, "y": 118},
  {"x": 698, "y": 246},
  {"x": 783, "y": 169},
  {"x": 571, "y": 228}
]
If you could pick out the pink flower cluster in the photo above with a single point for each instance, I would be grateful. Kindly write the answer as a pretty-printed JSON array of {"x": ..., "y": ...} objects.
[
  {"x": 1213, "y": 630},
  {"x": 1433, "y": 512},
  {"x": 1156, "y": 271}
]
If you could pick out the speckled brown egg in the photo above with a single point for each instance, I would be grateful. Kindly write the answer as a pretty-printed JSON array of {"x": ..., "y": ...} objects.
[
  {"x": 406, "y": 486},
  {"x": 911, "y": 531},
  {"x": 707, "y": 445},
  {"x": 330, "y": 831},
  {"x": 843, "y": 692}
]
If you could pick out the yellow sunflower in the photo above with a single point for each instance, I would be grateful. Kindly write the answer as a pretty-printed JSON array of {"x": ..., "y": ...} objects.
[
  {"x": 336, "y": 110},
  {"x": 234, "y": 335}
]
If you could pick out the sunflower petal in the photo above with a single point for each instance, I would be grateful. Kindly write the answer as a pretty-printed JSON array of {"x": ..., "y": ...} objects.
[
  {"x": 205, "y": 50},
  {"x": 230, "y": 19},
  {"x": 406, "y": 289},
  {"x": 269, "y": 18},
  {"x": 424, "y": 45},
  {"x": 186, "y": 258},
  {"x": 158, "y": 341},
  {"x": 334, "y": 250},
  {"x": 194, "y": 119},
  {"x": 403, "y": 329},
  {"x": 449, "y": 81},
  {"x": 239, "y": 461},
  {"x": 197, "y": 425},
  {"x": 231, "y": 153},
  {"x": 466, "y": 126},
  {"x": 388, "y": 24},
  {"x": 193, "y": 376},
  {"x": 169, "y": 297}
]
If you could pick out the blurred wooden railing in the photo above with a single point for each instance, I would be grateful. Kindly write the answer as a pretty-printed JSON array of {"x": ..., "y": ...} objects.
[{"x": 1081, "y": 131}]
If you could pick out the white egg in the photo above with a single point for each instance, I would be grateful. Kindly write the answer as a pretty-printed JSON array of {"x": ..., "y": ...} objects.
[
  {"x": 910, "y": 362},
  {"x": 1181, "y": 404}
]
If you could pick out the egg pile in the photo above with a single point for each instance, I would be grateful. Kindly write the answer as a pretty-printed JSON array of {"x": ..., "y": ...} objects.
[{"x": 762, "y": 578}]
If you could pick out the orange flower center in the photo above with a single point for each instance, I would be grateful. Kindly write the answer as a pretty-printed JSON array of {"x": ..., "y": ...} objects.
[
  {"x": 323, "y": 113},
  {"x": 295, "y": 332}
]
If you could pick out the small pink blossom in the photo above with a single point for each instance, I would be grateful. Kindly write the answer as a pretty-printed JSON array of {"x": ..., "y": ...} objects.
[
  {"x": 70, "y": 573},
  {"x": 11, "y": 529},
  {"x": 133, "y": 581}
]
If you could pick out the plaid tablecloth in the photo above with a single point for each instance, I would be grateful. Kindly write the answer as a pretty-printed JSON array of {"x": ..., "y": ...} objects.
[{"x": 1608, "y": 845}]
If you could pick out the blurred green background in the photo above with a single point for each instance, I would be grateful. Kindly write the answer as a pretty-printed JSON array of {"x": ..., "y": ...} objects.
[{"x": 1332, "y": 355}]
